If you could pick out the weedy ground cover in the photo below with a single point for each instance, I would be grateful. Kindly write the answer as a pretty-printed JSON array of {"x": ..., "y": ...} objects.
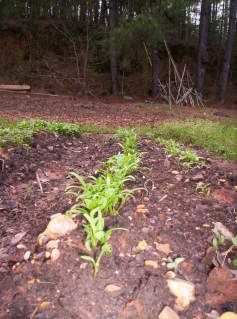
[
  {"x": 187, "y": 157},
  {"x": 105, "y": 194},
  {"x": 22, "y": 132},
  {"x": 219, "y": 137}
]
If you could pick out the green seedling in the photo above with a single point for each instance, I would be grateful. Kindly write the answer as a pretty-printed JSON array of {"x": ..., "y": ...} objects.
[
  {"x": 129, "y": 139},
  {"x": 234, "y": 241},
  {"x": 105, "y": 250},
  {"x": 124, "y": 164},
  {"x": 171, "y": 147},
  {"x": 190, "y": 159},
  {"x": 218, "y": 240},
  {"x": 187, "y": 157},
  {"x": 105, "y": 192},
  {"x": 174, "y": 264},
  {"x": 203, "y": 188}
]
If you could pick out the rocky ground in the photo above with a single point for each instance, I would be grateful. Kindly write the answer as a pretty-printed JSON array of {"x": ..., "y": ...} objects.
[{"x": 169, "y": 220}]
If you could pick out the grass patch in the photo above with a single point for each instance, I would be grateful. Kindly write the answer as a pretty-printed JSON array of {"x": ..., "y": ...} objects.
[
  {"x": 21, "y": 133},
  {"x": 217, "y": 137}
]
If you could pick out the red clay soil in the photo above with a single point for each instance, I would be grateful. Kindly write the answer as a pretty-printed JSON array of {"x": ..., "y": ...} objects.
[
  {"x": 176, "y": 215},
  {"x": 111, "y": 111}
]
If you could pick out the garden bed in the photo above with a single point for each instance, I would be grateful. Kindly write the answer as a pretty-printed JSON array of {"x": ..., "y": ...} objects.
[{"x": 174, "y": 214}]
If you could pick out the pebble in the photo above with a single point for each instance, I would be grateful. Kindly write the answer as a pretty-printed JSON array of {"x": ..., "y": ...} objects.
[
  {"x": 175, "y": 172},
  {"x": 179, "y": 178},
  {"x": 113, "y": 289},
  {"x": 50, "y": 148},
  {"x": 55, "y": 254},
  {"x": 59, "y": 225},
  {"x": 47, "y": 255},
  {"x": 27, "y": 255},
  {"x": 151, "y": 263},
  {"x": 168, "y": 313},
  {"x": 142, "y": 245},
  {"x": 170, "y": 275},
  {"x": 183, "y": 290},
  {"x": 18, "y": 237},
  {"x": 52, "y": 244},
  {"x": 197, "y": 178},
  {"x": 164, "y": 248},
  {"x": 21, "y": 246},
  {"x": 228, "y": 315}
]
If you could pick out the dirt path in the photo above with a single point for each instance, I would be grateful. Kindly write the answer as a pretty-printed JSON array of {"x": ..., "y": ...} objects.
[
  {"x": 177, "y": 216},
  {"x": 110, "y": 111}
]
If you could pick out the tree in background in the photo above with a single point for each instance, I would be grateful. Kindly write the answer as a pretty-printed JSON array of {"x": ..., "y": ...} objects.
[
  {"x": 126, "y": 37},
  {"x": 203, "y": 44},
  {"x": 228, "y": 50}
]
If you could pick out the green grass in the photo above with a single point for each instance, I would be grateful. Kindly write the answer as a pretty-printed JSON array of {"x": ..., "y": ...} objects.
[
  {"x": 217, "y": 137},
  {"x": 21, "y": 133}
]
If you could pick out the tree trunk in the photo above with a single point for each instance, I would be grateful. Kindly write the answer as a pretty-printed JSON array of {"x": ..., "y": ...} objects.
[
  {"x": 203, "y": 44},
  {"x": 154, "y": 54},
  {"x": 228, "y": 51},
  {"x": 113, "y": 56}
]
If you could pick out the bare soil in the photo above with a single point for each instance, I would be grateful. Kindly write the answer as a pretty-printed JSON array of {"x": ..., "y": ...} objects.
[
  {"x": 177, "y": 215},
  {"x": 107, "y": 111}
]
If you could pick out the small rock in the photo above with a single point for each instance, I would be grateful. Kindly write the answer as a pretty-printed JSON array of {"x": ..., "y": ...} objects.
[
  {"x": 113, "y": 289},
  {"x": 55, "y": 254},
  {"x": 47, "y": 255},
  {"x": 225, "y": 195},
  {"x": 83, "y": 265},
  {"x": 217, "y": 291},
  {"x": 142, "y": 245},
  {"x": 21, "y": 246},
  {"x": 27, "y": 255},
  {"x": 183, "y": 290},
  {"x": 128, "y": 98},
  {"x": 179, "y": 178},
  {"x": 175, "y": 172},
  {"x": 50, "y": 148},
  {"x": 228, "y": 315},
  {"x": 213, "y": 315},
  {"x": 197, "y": 178},
  {"x": 164, "y": 248},
  {"x": 170, "y": 275},
  {"x": 59, "y": 226},
  {"x": 142, "y": 209},
  {"x": 151, "y": 263},
  {"x": 168, "y": 313},
  {"x": 167, "y": 163},
  {"x": 52, "y": 244},
  {"x": 18, "y": 237}
]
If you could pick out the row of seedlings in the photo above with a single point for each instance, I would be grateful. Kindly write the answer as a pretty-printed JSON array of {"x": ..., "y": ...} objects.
[{"x": 105, "y": 195}]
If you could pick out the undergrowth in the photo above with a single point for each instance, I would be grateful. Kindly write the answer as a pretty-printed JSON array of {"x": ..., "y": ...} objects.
[
  {"x": 217, "y": 137},
  {"x": 22, "y": 132},
  {"x": 187, "y": 157},
  {"x": 99, "y": 196}
]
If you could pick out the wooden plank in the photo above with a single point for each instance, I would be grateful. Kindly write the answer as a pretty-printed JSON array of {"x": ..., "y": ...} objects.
[{"x": 15, "y": 87}]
